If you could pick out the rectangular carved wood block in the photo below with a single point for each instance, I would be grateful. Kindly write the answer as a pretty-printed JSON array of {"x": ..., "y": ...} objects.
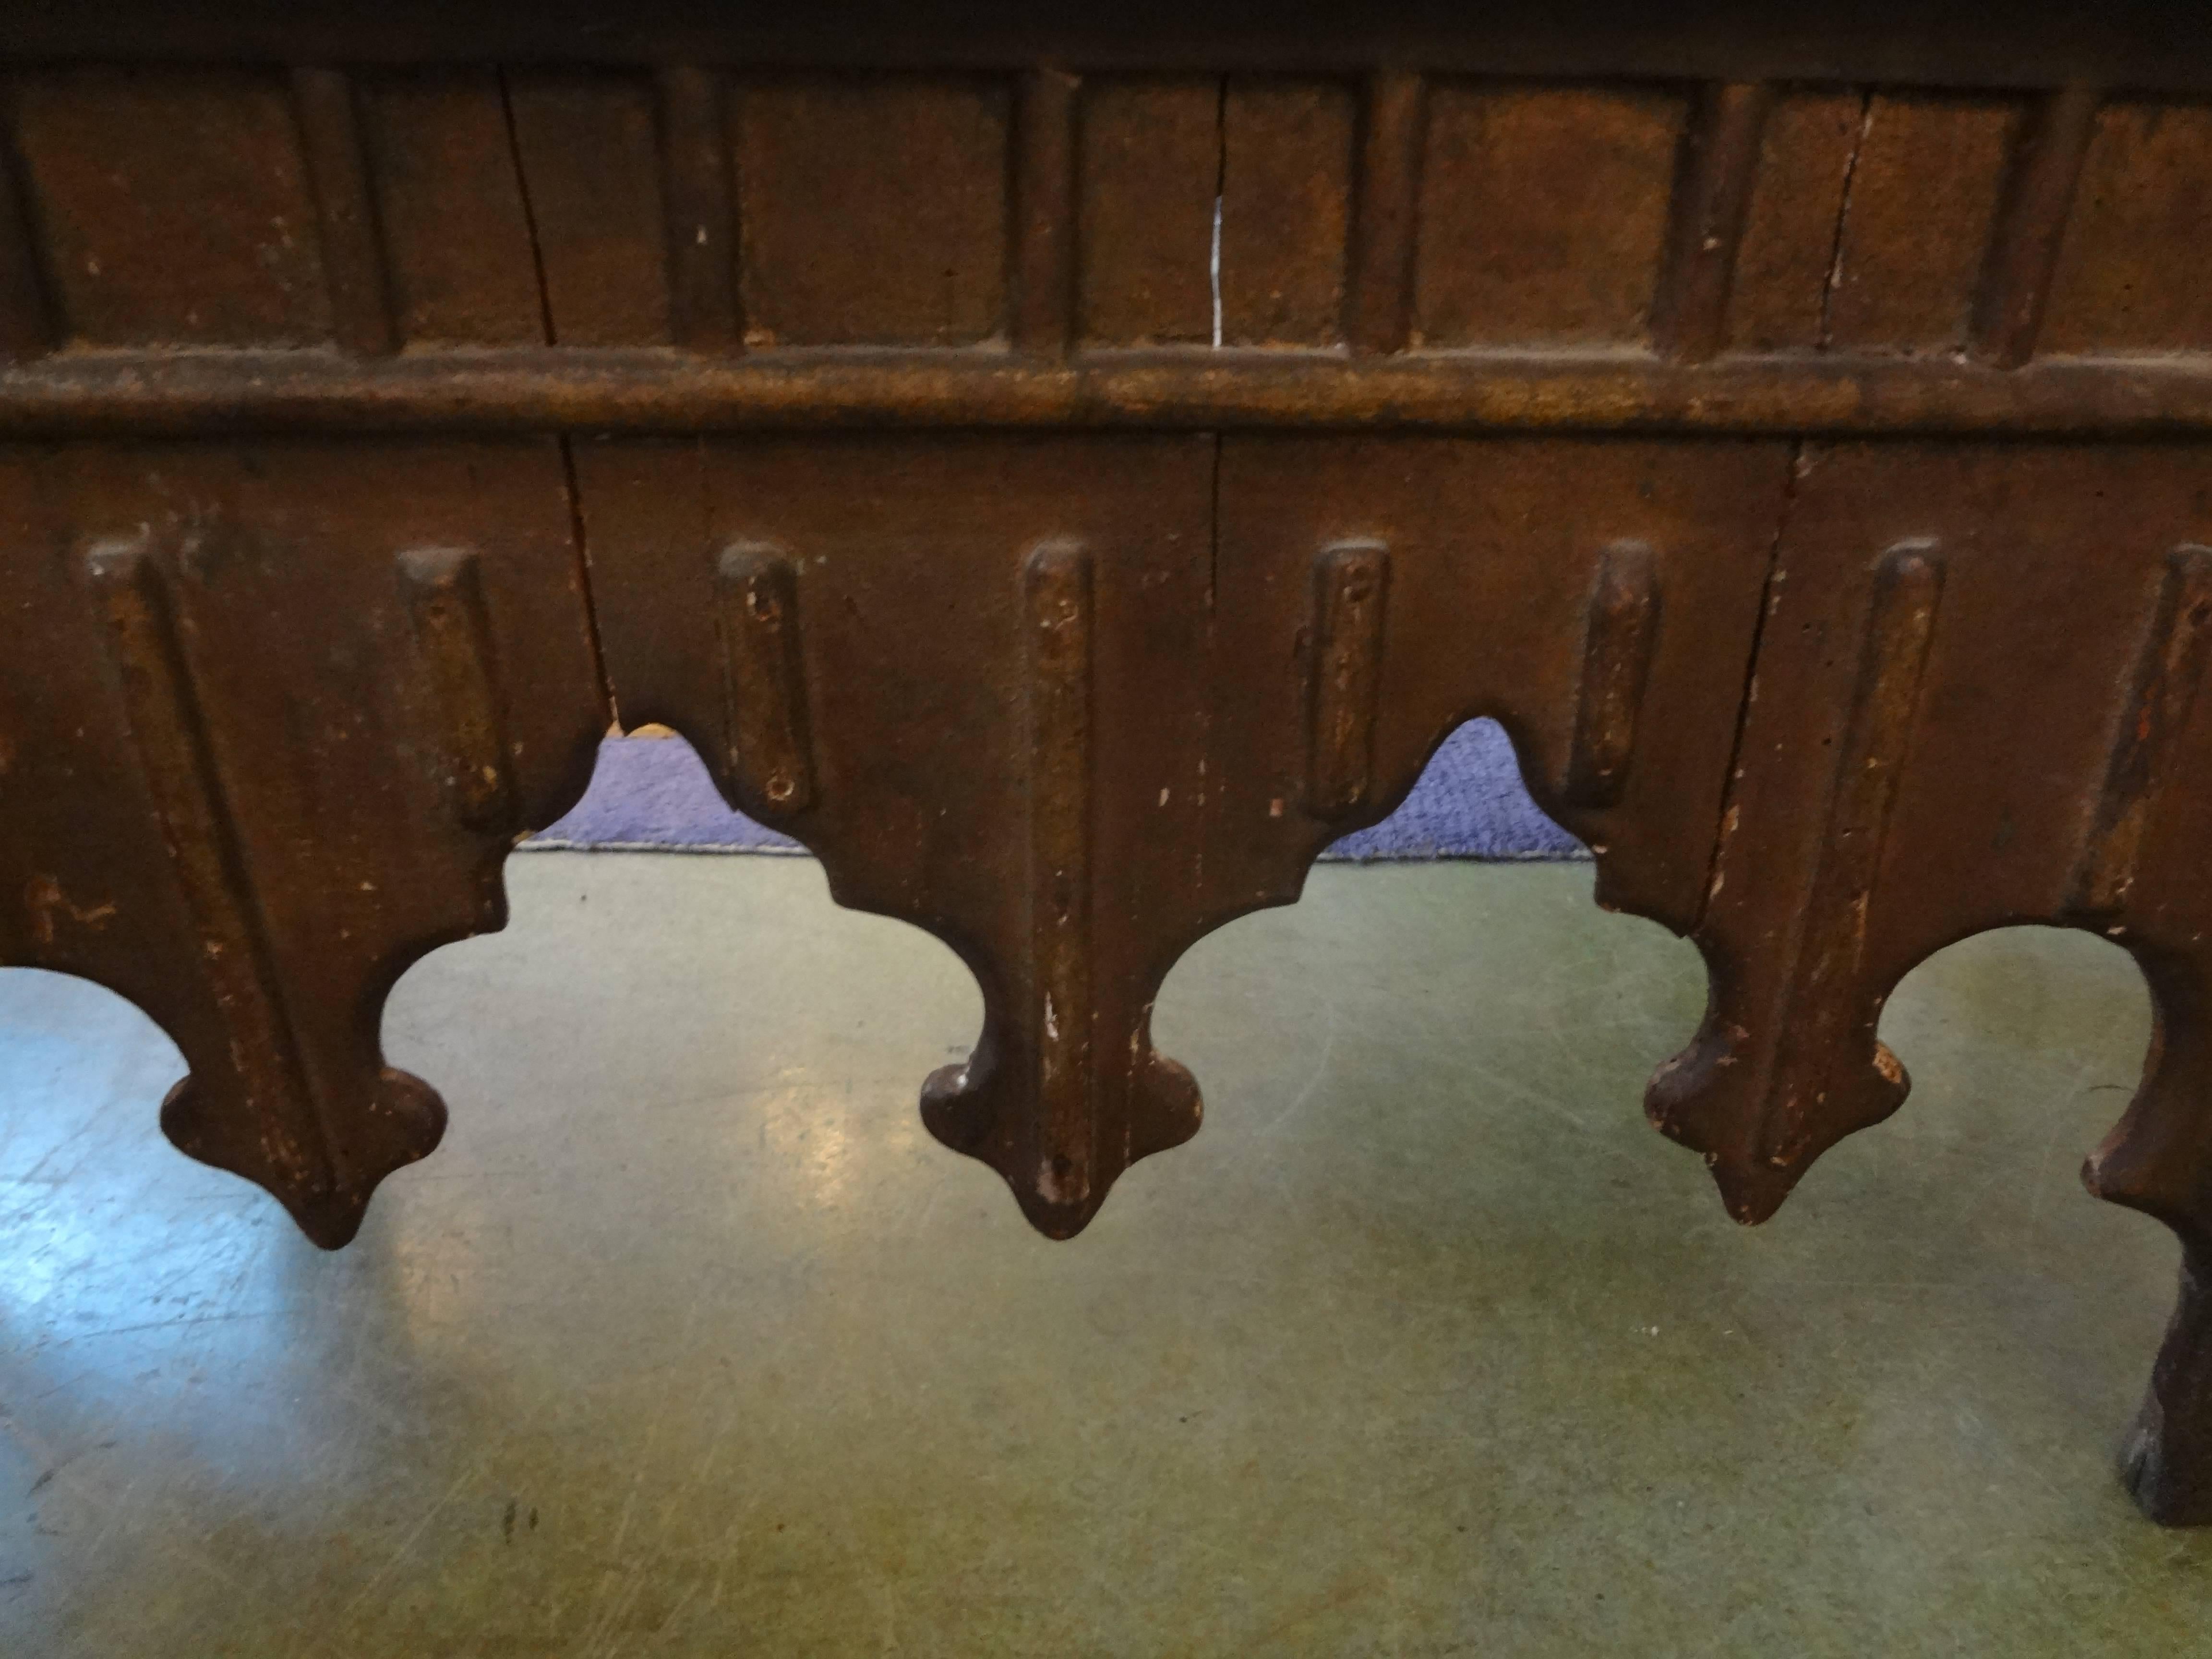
[
  {"x": 2135, "y": 270},
  {"x": 1149, "y": 161},
  {"x": 871, "y": 212},
  {"x": 1286, "y": 211},
  {"x": 173, "y": 206},
  {"x": 1921, "y": 204},
  {"x": 1543, "y": 213},
  {"x": 456, "y": 234},
  {"x": 1780, "y": 300},
  {"x": 588, "y": 146}
]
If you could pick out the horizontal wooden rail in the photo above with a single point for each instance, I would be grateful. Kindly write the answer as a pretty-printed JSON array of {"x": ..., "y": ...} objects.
[{"x": 543, "y": 389}]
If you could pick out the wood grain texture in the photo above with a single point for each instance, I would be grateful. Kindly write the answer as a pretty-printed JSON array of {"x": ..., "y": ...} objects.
[
  {"x": 1917, "y": 226},
  {"x": 767, "y": 734},
  {"x": 914, "y": 253},
  {"x": 352, "y": 236},
  {"x": 1389, "y": 150},
  {"x": 1043, "y": 254},
  {"x": 1352, "y": 587},
  {"x": 1149, "y": 167},
  {"x": 1544, "y": 212},
  {"x": 456, "y": 231},
  {"x": 175, "y": 207},
  {"x": 699, "y": 208},
  {"x": 588, "y": 148},
  {"x": 1285, "y": 211},
  {"x": 2030, "y": 220},
  {"x": 1780, "y": 298},
  {"x": 1713, "y": 186},
  {"x": 2132, "y": 272}
]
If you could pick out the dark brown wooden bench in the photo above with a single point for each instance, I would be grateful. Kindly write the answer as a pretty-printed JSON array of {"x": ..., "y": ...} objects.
[{"x": 1068, "y": 468}]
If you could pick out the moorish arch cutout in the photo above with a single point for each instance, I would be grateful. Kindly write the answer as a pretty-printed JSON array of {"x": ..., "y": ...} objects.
[{"x": 1837, "y": 561}]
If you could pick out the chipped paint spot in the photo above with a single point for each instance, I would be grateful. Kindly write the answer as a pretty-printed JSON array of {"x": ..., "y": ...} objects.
[{"x": 43, "y": 899}]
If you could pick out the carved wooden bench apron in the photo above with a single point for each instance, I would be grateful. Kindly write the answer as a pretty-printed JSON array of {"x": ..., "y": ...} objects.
[{"x": 1066, "y": 472}]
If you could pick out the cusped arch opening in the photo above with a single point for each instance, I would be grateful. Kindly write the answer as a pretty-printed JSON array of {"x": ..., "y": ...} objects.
[
  {"x": 719, "y": 1045},
  {"x": 1443, "y": 1014},
  {"x": 2025, "y": 1035},
  {"x": 89, "y": 1180}
]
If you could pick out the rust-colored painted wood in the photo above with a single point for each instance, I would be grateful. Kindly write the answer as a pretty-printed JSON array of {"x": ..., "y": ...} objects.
[
  {"x": 254, "y": 724},
  {"x": 1149, "y": 166},
  {"x": 1787, "y": 256},
  {"x": 458, "y": 243},
  {"x": 1285, "y": 211},
  {"x": 1044, "y": 254},
  {"x": 1496, "y": 549},
  {"x": 589, "y": 148},
  {"x": 352, "y": 241},
  {"x": 1010, "y": 753},
  {"x": 697, "y": 205},
  {"x": 1059, "y": 622},
  {"x": 2039, "y": 199},
  {"x": 764, "y": 676},
  {"x": 2160, "y": 700},
  {"x": 1918, "y": 216},
  {"x": 1544, "y": 213},
  {"x": 443, "y": 588},
  {"x": 914, "y": 251},
  {"x": 2131, "y": 272},
  {"x": 1828, "y": 1074},
  {"x": 1712, "y": 201},
  {"x": 169, "y": 729},
  {"x": 1803, "y": 458},
  {"x": 1351, "y": 582},
  {"x": 173, "y": 207},
  {"x": 1622, "y": 628},
  {"x": 1497, "y": 389},
  {"x": 1391, "y": 143},
  {"x": 2030, "y": 666}
]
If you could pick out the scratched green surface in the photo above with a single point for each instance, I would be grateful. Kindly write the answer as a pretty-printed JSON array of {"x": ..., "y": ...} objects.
[{"x": 691, "y": 1341}]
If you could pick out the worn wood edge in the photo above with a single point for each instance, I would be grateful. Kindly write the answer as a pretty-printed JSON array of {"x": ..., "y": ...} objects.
[{"x": 593, "y": 390}]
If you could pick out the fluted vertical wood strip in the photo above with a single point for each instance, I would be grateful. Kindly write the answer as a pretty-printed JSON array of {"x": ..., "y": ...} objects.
[
  {"x": 1043, "y": 281},
  {"x": 2160, "y": 694},
  {"x": 1617, "y": 643},
  {"x": 354, "y": 264},
  {"x": 169, "y": 731},
  {"x": 1824, "y": 1001},
  {"x": 1386, "y": 206},
  {"x": 1712, "y": 201},
  {"x": 702, "y": 233},
  {"x": 444, "y": 590},
  {"x": 2046, "y": 169},
  {"x": 1058, "y": 614},
  {"x": 1350, "y": 586},
  {"x": 763, "y": 679}
]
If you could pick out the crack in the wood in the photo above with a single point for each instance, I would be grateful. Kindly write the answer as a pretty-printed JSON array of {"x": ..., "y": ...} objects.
[
  {"x": 578, "y": 540},
  {"x": 1842, "y": 222},
  {"x": 1734, "y": 776}
]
